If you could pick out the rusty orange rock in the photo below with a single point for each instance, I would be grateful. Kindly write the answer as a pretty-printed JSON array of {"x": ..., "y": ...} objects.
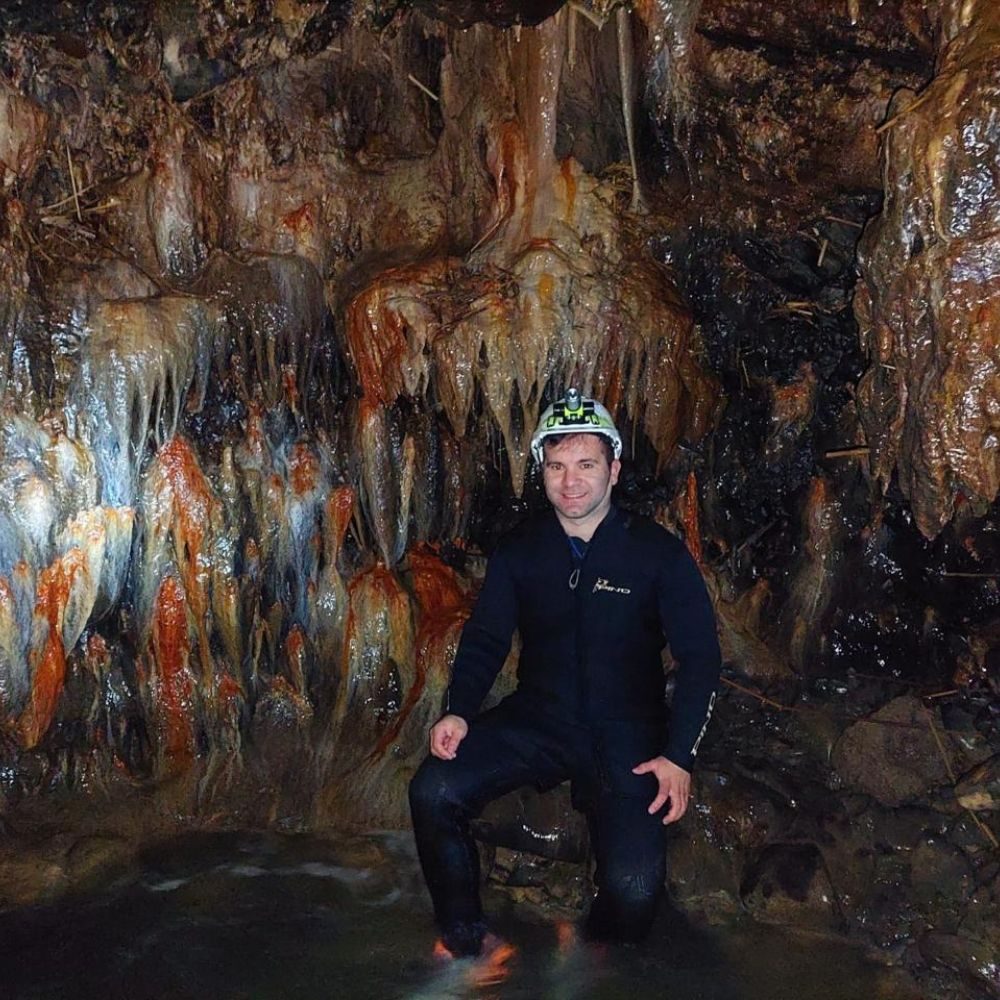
[
  {"x": 48, "y": 664},
  {"x": 692, "y": 525},
  {"x": 174, "y": 684}
]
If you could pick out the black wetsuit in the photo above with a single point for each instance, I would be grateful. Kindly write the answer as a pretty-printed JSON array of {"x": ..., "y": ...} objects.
[{"x": 589, "y": 706}]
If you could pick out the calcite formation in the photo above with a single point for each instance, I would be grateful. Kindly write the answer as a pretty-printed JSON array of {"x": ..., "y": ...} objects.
[
  {"x": 931, "y": 272},
  {"x": 278, "y": 317},
  {"x": 284, "y": 288}
]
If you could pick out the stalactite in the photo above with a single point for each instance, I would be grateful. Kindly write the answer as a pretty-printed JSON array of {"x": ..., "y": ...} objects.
[
  {"x": 379, "y": 447},
  {"x": 183, "y": 518},
  {"x": 88, "y": 533},
  {"x": 142, "y": 363},
  {"x": 539, "y": 300},
  {"x": 298, "y": 553},
  {"x": 15, "y": 303},
  {"x": 330, "y": 608},
  {"x": 166, "y": 209},
  {"x": 59, "y": 555},
  {"x": 187, "y": 572},
  {"x": 171, "y": 695},
  {"x": 230, "y": 611},
  {"x": 47, "y": 662},
  {"x": 27, "y": 518},
  {"x": 17, "y": 594},
  {"x": 670, "y": 23},
  {"x": 254, "y": 459},
  {"x": 626, "y": 75},
  {"x": 812, "y": 588},
  {"x": 379, "y": 670},
  {"x": 926, "y": 304},
  {"x": 389, "y": 326},
  {"x": 692, "y": 526},
  {"x": 274, "y": 309},
  {"x": 296, "y": 660},
  {"x": 442, "y": 609},
  {"x": 66, "y": 593}
]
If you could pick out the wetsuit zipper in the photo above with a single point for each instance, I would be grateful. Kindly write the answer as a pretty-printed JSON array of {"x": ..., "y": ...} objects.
[
  {"x": 583, "y": 687},
  {"x": 583, "y": 676},
  {"x": 576, "y": 559}
]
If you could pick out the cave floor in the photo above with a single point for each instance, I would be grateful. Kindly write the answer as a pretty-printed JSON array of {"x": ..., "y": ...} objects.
[{"x": 249, "y": 915}]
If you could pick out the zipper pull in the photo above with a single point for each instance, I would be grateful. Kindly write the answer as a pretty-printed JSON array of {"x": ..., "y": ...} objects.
[{"x": 574, "y": 578}]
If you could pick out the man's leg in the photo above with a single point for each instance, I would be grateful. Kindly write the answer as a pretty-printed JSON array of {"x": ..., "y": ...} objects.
[
  {"x": 500, "y": 753},
  {"x": 629, "y": 846}
]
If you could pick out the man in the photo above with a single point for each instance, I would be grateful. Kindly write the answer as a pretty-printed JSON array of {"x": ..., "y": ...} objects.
[{"x": 595, "y": 593}]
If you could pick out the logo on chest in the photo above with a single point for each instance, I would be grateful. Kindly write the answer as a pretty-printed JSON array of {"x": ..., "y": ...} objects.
[{"x": 609, "y": 587}]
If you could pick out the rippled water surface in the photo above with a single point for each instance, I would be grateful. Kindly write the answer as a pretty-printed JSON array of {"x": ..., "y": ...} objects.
[{"x": 251, "y": 916}]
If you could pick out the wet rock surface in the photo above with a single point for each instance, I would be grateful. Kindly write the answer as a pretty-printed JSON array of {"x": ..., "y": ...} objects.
[
  {"x": 894, "y": 755},
  {"x": 283, "y": 288},
  {"x": 929, "y": 267}
]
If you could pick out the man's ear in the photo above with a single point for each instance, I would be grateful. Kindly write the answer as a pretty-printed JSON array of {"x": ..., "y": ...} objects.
[{"x": 616, "y": 468}]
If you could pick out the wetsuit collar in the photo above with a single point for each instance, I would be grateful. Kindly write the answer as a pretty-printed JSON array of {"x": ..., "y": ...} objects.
[{"x": 608, "y": 518}]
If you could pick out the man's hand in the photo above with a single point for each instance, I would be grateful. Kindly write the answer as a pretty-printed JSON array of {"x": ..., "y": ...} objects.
[
  {"x": 446, "y": 734},
  {"x": 675, "y": 785}
]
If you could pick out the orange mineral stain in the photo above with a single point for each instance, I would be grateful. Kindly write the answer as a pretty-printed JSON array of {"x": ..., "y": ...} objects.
[
  {"x": 302, "y": 220},
  {"x": 97, "y": 656},
  {"x": 566, "y": 169},
  {"x": 443, "y": 609},
  {"x": 337, "y": 516},
  {"x": 48, "y": 667},
  {"x": 376, "y": 339},
  {"x": 193, "y": 511},
  {"x": 546, "y": 283},
  {"x": 174, "y": 682},
  {"x": 434, "y": 583},
  {"x": 692, "y": 527},
  {"x": 295, "y": 654},
  {"x": 289, "y": 381},
  {"x": 303, "y": 470}
]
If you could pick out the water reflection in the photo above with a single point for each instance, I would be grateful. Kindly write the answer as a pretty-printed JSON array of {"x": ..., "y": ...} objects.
[{"x": 265, "y": 916}]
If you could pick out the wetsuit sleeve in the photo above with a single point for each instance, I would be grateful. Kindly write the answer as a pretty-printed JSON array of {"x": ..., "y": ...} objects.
[
  {"x": 689, "y": 625},
  {"x": 485, "y": 640}
]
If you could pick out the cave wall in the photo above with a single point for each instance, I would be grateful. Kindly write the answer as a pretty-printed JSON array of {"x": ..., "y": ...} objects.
[
  {"x": 279, "y": 320},
  {"x": 285, "y": 286}
]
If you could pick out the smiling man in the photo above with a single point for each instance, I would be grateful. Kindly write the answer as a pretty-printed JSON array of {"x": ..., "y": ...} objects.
[{"x": 596, "y": 594}]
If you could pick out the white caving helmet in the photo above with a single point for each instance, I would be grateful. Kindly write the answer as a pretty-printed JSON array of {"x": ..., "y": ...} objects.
[{"x": 575, "y": 414}]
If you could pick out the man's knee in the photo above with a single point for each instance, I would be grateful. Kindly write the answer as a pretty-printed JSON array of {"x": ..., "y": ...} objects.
[
  {"x": 625, "y": 906},
  {"x": 433, "y": 789}
]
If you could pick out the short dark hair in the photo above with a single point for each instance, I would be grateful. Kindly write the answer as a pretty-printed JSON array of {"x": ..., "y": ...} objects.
[{"x": 606, "y": 442}]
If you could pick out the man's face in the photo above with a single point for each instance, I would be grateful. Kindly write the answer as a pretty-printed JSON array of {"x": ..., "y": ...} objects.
[{"x": 578, "y": 479}]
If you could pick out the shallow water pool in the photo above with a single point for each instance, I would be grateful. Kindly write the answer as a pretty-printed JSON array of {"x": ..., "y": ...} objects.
[{"x": 271, "y": 917}]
